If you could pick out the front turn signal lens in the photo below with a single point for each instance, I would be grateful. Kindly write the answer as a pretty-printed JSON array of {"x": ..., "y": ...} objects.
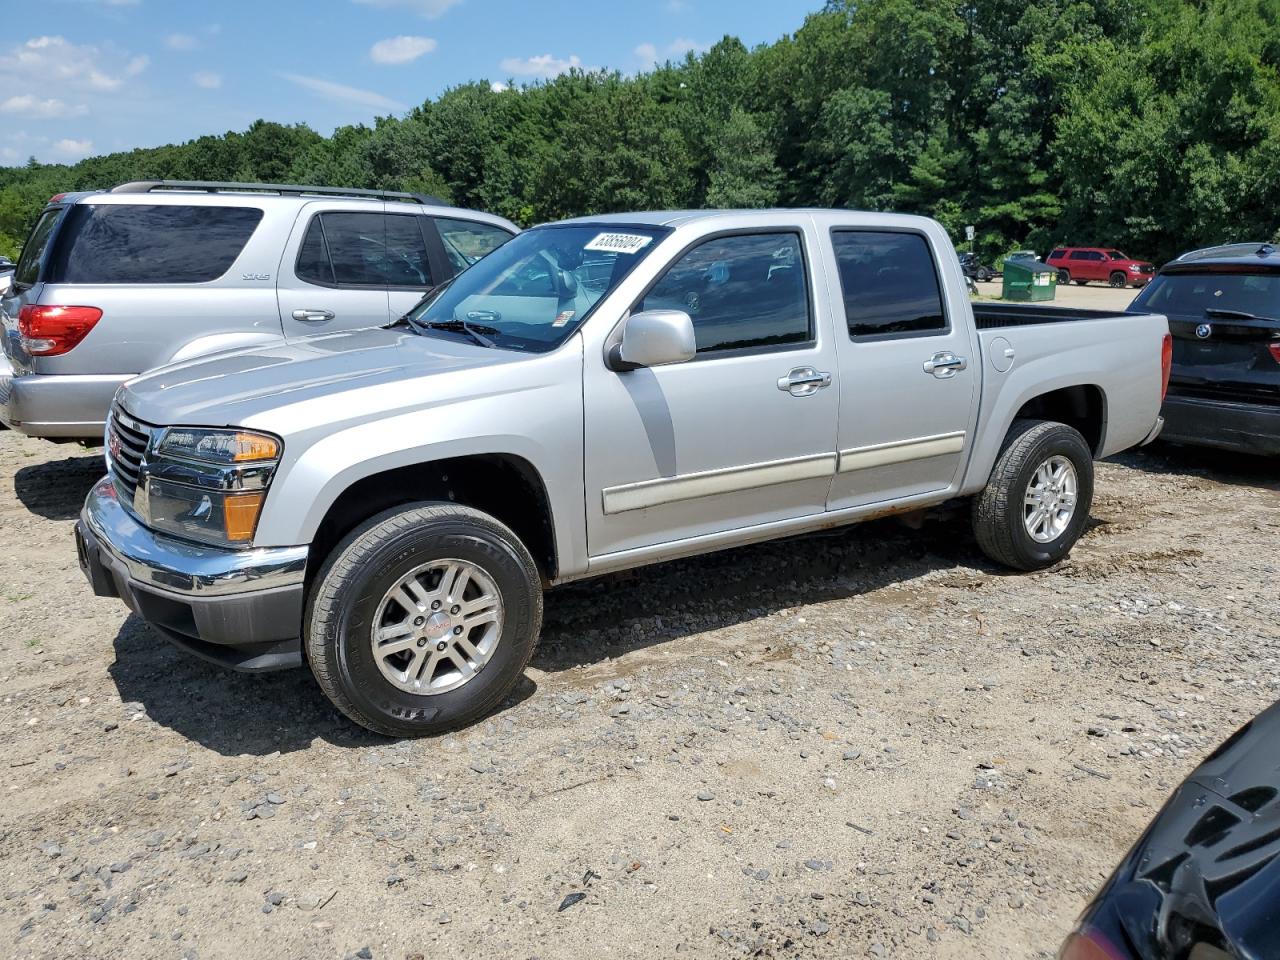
[
  {"x": 219, "y": 446},
  {"x": 240, "y": 515}
]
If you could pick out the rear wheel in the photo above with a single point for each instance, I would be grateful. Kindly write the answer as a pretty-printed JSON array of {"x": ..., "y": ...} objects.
[
  {"x": 423, "y": 619},
  {"x": 1064, "y": 277},
  {"x": 1034, "y": 508},
  {"x": 984, "y": 275},
  {"x": 1119, "y": 279}
]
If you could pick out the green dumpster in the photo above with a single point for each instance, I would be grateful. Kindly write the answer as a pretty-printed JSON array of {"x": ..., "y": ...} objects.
[{"x": 1026, "y": 279}]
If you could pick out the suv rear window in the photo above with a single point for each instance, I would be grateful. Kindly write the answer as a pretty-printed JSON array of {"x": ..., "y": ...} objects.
[
  {"x": 28, "y": 270},
  {"x": 142, "y": 243},
  {"x": 1191, "y": 294}
]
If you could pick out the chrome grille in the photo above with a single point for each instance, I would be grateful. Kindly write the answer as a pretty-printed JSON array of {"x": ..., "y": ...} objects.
[{"x": 127, "y": 441}]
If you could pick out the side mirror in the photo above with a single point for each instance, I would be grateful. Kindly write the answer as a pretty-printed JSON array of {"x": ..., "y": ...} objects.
[{"x": 653, "y": 338}]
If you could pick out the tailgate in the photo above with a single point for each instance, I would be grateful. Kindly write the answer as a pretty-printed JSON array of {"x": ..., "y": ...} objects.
[{"x": 1226, "y": 358}]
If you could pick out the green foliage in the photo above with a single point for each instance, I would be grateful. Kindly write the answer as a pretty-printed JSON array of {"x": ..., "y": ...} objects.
[{"x": 1152, "y": 125}]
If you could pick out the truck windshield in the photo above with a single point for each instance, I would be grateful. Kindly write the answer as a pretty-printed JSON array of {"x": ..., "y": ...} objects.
[
  {"x": 534, "y": 291},
  {"x": 1191, "y": 294}
]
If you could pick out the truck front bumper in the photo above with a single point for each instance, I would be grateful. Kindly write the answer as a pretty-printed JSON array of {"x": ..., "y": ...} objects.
[
  {"x": 57, "y": 406},
  {"x": 238, "y": 608}
]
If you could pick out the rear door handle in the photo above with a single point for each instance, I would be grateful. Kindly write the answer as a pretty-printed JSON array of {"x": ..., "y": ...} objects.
[
  {"x": 312, "y": 316},
  {"x": 945, "y": 365},
  {"x": 804, "y": 382}
]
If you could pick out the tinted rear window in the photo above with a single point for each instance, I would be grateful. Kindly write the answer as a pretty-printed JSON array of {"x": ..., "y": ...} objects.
[
  {"x": 33, "y": 250},
  {"x": 106, "y": 243},
  {"x": 889, "y": 283},
  {"x": 1191, "y": 294}
]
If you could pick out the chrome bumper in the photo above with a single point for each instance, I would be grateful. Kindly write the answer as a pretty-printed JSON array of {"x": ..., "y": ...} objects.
[
  {"x": 1155, "y": 432},
  {"x": 237, "y": 608},
  {"x": 176, "y": 566}
]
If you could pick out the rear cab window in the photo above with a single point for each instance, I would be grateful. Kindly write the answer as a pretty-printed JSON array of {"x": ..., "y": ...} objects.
[
  {"x": 149, "y": 243},
  {"x": 889, "y": 283}
]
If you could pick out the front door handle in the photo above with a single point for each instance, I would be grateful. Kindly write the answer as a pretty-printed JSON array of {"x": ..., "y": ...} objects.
[
  {"x": 945, "y": 365},
  {"x": 804, "y": 382},
  {"x": 312, "y": 316}
]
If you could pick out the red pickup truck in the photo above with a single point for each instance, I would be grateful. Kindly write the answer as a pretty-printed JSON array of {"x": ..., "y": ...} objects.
[{"x": 1083, "y": 264}]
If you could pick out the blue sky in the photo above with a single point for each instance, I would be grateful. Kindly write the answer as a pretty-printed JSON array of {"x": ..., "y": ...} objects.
[{"x": 82, "y": 77}]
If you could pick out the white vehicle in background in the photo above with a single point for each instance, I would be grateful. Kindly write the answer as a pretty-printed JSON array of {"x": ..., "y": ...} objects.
[{"x": 113, "y": 283}]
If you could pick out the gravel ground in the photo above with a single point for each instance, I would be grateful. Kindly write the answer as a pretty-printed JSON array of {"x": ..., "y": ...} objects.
[
  {"x": 1092, "y": 296},
  {"x": 865, "y": 743}
]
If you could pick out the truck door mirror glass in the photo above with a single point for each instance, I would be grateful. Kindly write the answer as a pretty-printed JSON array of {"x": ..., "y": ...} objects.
[{"x": 653, "y": 338}]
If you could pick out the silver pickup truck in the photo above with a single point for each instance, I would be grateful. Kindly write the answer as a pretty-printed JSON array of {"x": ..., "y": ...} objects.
[{"x": 388, "y": 505}]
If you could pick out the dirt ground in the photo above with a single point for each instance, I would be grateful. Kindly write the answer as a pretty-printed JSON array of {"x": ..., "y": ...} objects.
[{"x": 865, "y": 743}]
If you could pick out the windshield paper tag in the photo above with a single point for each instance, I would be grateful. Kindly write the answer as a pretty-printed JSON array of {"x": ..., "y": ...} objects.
[
  {"x": 563, "y": 317},
  {"x": 619, "y": 243}
]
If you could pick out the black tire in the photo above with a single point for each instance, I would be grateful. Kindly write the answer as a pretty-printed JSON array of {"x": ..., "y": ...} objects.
[
  {"x": 1119, "y": 280},
  {"x": 984, "y": 275},
  {"x": 998, "y": 511},
  {"x": 1064, "y": 277},
  {"x": 366, "y": 564}
]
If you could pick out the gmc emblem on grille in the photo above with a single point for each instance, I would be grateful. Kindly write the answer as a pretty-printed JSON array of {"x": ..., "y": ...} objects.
[{"x": 113, "y": 444}]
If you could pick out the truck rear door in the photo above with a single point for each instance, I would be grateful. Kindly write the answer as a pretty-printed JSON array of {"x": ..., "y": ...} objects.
[{"x": 909, "y": 366}]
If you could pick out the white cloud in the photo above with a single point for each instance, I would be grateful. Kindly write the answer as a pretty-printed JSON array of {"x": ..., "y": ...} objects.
[
  {"x": 649, "y": 54},
  {"x": 45, "y": 65},
  {"x": 207, "y": 79},
  {"x": 73, "y": 149},
  {"x": 543, "y": 66},
  {"x": 425, "y": 8},
  {"x": 28, "y": 105},
  {"x": 342, "y": 93},
  {"x": 400, "y": 49},
  {"x": 181, "y": 41},
  {"x": 498, "y": 87}
]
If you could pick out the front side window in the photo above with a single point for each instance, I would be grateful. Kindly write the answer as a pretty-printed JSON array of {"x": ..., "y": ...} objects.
[
  {"x": 889, "y": 283},
  {"x": 28, "y": 270},
  {"x": 466, "y": 241},
  {"x": 1116, "y": 255},
  {"x": 534, "y": 291},
  {"x": 150, "y": 243},
  {"x": 742, "y": 292}
]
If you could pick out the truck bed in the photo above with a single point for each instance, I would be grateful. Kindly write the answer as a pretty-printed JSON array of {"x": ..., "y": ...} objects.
[{"x": 994, "y": 316}]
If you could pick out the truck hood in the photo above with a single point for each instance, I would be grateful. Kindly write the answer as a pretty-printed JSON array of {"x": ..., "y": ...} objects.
[{"x": 251, "y": 387}]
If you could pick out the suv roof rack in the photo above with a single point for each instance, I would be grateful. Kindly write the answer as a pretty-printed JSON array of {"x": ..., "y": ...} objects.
[{"x": 282, "y": 189}]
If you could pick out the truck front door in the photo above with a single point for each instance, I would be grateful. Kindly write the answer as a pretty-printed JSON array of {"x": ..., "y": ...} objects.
[{"x": 743, "y": 434}]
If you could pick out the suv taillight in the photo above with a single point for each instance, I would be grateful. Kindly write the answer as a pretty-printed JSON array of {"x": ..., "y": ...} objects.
[
  {"x": 52, "y": 331},
  {"x": 1166, "y": 365},
  {"x": 1275, "y": 351}
]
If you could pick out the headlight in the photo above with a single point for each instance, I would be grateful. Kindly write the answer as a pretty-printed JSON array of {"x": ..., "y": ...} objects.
[
  {"x": 1134, "y": 267},
  {"x": 209, "y": 485},
  {"x": 218, "y": 446}
]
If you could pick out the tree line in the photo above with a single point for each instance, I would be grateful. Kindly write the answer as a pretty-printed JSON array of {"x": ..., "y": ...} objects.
[{"x": 1151, "y": 125}]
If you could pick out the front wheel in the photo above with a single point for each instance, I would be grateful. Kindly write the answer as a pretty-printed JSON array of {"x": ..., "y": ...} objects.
[
  {"x": 984, "y": 275},
  {"x": 1119, "y": 280},
  {"x": 423, "y": 619},
  {"x": 1034, "y": 508}
]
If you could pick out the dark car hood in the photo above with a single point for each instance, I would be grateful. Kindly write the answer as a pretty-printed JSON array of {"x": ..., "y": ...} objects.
[{"x": 1209, "y": 864}]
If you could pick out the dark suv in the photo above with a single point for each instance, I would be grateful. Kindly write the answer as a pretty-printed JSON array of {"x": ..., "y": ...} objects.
[{"x": 1223, "y": 305}]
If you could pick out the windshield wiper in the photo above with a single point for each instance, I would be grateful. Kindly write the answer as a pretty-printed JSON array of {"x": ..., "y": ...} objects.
[
  {"x": 1236, "y": 315},
  {"x": 430, "y": 292},
  {"x": 476, "y": 331}
]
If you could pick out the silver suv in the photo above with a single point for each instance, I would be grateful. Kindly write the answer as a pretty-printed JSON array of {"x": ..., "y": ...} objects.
[{"x": 113, "y": 283}]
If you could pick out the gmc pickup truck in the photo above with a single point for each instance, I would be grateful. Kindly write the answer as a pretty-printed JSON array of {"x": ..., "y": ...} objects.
[{"x": 388, "y": 505}]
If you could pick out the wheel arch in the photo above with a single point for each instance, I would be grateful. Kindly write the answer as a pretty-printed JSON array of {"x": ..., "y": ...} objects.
[
  {"x": 506, "y": 486},
  {"x": 1081, "y": 406}
]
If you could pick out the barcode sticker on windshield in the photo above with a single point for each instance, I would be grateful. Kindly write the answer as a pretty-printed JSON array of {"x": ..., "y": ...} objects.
[{"x": 618, "y": 243}]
